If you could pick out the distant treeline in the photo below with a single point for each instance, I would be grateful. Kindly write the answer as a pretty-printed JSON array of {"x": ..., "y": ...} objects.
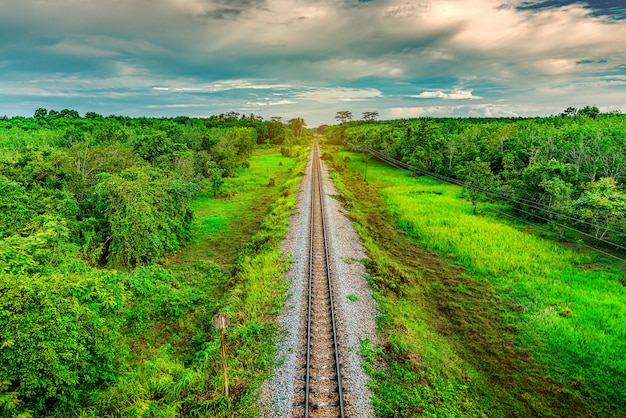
[{"x": 571, "y": 167}]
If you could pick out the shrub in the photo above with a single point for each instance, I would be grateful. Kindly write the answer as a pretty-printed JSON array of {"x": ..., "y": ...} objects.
[
  {"x": 54, "y": 345},
  {"x": 147, "y": 214}
]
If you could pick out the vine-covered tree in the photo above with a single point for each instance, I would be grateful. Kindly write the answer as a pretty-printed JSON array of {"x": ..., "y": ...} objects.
[{"x": 144, "y": 204}]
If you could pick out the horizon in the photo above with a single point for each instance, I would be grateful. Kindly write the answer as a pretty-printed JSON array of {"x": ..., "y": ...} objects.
[{"x": 575, "y": 112}]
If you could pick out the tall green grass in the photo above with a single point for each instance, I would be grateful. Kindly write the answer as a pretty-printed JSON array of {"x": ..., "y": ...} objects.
[
  {"x": 568, "y": 307},
  {"x": 575, "y": 316}
]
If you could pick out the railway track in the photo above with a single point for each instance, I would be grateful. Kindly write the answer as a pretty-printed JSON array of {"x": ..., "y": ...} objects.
[{"x": 319, "y": 393}]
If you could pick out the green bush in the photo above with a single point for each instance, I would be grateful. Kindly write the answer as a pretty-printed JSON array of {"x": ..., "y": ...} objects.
[
  {"x": 54, "y": 344},
  {"x": 147, "y": 214}
]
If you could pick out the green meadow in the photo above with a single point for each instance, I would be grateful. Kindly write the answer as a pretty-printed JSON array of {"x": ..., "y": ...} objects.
[
  {"x": 234, "y": 216},
  {"x": 483, "y": 316}
]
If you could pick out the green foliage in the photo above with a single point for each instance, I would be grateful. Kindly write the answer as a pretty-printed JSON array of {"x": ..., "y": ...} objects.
[
  {"x": 603, "y": 206},
  {"x": 176, "y": 365},
  {"x": 89, "y": 189},
  {"x": 477, "y": 176},
  {"x": 10, "y": 403},
  {"x": 147, "y": 206},
  {"x": 23, "y": 210},
  {"x": 55, "y": 344},
  {"x": 546, "y": 163},
  {"x": 589, "y": 111},
  {"x": 38, "y": 252}
]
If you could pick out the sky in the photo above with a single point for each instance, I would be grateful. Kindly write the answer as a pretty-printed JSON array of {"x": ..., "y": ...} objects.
[{"x": 312, "y": 58}]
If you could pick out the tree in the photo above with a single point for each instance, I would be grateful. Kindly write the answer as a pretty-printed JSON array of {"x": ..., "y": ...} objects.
[
  {"x": 93, "y": 115},
  {"x": 570, "y": 111},
  {"x": 549, "y": 182},
  {"x": 343, "y": 116},
  {"x": 41, "y": 113},
  {"x": 296, "y": 125},
  {"x": 589, "y": 111},
  {"x": 231, "y": 115},
  {"x": 321, "y": 130},
  {"x": 603, "y": 205},
  {"x": 56, "y": 347},
  {"x": 69, "y": 113},
  {"x": 477, "y": 176},
  {"x": 147, "y": 214},
  {"x": 367, "y": 116},
  {"x": 215, "y": 174}
]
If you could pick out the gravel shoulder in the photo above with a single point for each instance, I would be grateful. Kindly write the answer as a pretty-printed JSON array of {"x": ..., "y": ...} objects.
[{"x": 356, "y": 316}]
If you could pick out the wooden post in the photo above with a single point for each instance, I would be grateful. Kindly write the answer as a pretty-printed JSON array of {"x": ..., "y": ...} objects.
[{"x": 221, "y": 321}]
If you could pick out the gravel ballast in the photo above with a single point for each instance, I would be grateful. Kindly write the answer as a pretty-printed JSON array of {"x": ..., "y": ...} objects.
[{"x": 356, "y": 317}]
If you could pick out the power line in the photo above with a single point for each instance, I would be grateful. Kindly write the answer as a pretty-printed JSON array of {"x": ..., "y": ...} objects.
[
  {"x": 558, "y": 235},
  {"x": 522, "y": 202},
  {"x": 519, "y": 201}
]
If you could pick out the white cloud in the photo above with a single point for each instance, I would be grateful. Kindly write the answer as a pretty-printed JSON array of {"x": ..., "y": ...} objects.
[
  {"x": 176, "y": 106},
  {"x": 271, "y": 103},
  {"x": 481, "y": 110},
  {"x": 338, "y": 95},
  {"x": 300, "y": 53},
  {"x": 405, "y": 112},
  {"x": 454, "y": 95},
  {"x": 195, "y": 86}
]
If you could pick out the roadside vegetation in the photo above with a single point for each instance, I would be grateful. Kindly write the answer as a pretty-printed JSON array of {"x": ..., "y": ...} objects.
[
  {"x": 481, "y": 316},
  {"x": 120, "y": 239},
  {"x": 566, "y": 172}
]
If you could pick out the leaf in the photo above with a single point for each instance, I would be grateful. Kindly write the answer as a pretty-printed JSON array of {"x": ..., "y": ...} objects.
[{"x": 7, "y": 343}]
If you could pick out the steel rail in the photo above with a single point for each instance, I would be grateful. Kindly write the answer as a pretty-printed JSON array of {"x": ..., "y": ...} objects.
[
  {"x": 330, "y": 287},
  {"x": 308, "y": 326},
  {"x": 317, "y": 177}
]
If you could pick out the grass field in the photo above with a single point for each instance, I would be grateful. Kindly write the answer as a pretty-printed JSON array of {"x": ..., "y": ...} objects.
[
  {"x": 498, "y": 321},
  {"x": 223, "y": 222}
]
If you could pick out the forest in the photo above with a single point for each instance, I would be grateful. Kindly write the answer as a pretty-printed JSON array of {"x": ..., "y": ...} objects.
[
  {"x": 90, "y": 208},
  {"x": 565, "y": 171}
]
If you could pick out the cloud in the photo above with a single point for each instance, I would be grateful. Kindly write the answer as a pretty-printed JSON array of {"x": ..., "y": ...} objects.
[
  {"x": 482, "y": 110},
  {"x": 367, "y": 55},
  {"x": 598, "y": 8},
  {"x": 338, "y": 95},
  {"x": 454, "y": 95},
  {"x": 272, "y": 103},
  {"x": 176, "y": 106}
]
